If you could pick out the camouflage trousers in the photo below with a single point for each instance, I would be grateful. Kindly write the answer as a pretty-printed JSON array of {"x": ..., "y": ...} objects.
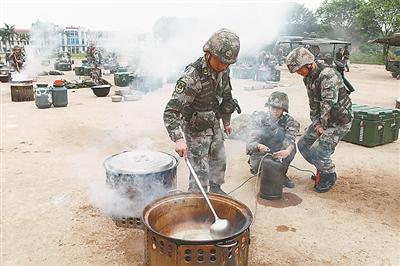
[
  {"x": 206, "y": 153},
  {"x": 317, "y": 150}
]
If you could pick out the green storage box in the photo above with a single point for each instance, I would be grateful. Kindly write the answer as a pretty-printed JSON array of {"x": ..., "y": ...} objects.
[{"x": 373, "y": 125}]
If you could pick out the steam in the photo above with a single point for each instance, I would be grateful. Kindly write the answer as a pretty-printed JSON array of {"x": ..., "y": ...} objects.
[{"x": 44, "y": 42}]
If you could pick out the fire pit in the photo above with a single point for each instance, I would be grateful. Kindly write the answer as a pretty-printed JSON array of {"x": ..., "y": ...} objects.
[
  {"x": 177, "y": 231},
  {"x": 22, "y": 91},
  {"x": 139, "y": 177}
]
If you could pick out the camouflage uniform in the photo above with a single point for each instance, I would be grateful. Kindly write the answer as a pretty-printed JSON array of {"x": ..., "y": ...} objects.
[
  {"x": 201, "y": 95},
  {"x": 277, "y": 134},
  {"x": 330, "y": 107},
  {"x": 16, "y": 59}
]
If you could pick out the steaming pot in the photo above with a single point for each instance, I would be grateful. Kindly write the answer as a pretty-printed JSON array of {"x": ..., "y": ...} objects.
[
  {"x": 177, "y": 231},
  {"x": 22, "y": 91},
  {"x": 141, "y": 176}
]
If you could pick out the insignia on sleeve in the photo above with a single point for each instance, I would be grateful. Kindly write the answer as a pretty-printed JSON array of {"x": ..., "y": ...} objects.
[{"x": 180, "y": 86}]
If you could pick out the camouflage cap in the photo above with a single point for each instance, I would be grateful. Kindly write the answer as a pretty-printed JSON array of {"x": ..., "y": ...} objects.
[
  {"x": 16, "y": 47},
  {"x": 278, "y": 99},
  {"x": 223, "y": 44},
  {"x": 298, "y": 58}
]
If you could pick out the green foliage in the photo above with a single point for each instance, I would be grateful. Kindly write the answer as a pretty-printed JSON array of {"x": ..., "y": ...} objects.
[
  {"x": 380, "y": 17},
  {"x": 338, "y": 18},
  {"x": 300, "y": 20},
  {"x": 367, "y": 58}
]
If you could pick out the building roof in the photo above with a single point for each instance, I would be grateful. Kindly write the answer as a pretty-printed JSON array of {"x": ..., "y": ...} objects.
[{"x": 22, "y": 30}]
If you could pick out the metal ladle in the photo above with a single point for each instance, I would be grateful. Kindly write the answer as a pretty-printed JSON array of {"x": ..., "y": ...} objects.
[{"x": 221, "y": 227}]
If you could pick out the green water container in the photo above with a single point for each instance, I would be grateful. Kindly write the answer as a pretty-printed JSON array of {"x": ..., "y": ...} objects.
[
  {"x": 43, "y": 96},
  {"x": 373, "y": 125},
  {"x": 60, "y": 94}
]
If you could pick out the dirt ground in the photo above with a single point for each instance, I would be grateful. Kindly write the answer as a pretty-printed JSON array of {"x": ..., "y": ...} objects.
[{"x": 51, "y": 168}]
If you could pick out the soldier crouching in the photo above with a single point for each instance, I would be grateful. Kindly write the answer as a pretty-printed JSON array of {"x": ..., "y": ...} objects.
[
  {"x": 275, "y": 132},
  {"x": 202, "y": 98}
]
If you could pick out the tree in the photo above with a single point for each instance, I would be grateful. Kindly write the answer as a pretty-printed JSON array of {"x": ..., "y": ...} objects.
[
  {"x": 300, "y": 20},
  {"x": 380, "y": 17},
  {"x": 23, "y": 38},
  {"x": 339, "y": 18},
  {"x": 8, "y": 33}
]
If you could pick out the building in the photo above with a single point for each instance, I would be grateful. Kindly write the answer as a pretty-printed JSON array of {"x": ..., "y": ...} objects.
[{"x": 73, "y": 39}]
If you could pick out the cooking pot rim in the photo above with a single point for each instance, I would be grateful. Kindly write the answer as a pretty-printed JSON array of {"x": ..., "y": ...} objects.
[
  {"x": 116, "y": 171},
  {"x": 228, "y": 239}
]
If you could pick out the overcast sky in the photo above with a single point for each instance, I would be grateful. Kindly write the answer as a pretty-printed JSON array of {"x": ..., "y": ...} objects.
[{"x": 137, "y": 16}]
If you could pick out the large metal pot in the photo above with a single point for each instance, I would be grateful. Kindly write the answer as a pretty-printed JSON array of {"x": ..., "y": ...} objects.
[
  {"x": 139, "y": 177},
  {"x": 22, "y": 91},
  {"x": 177, "y": 231}
]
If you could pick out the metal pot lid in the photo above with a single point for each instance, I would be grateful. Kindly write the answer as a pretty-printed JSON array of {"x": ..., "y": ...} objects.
[{"x": 141, "y": 162}]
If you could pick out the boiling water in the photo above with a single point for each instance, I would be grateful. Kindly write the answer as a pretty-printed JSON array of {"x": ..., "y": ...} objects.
[{"x": 194, "y": 234}]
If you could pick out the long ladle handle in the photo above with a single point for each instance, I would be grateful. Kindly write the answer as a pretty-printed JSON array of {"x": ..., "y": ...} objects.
[
  {"x": 201, "y": 187},
  {"x": 189, "y": 165}
]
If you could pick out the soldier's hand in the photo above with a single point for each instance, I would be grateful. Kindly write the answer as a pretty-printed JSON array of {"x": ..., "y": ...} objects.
[
  {"x": 281, "y": 154},
  {"x": 262, "y": 148},
  {"x": 228, "y": 129},
  {"x": 181, "y": 148},
  {"x": 319, "y": 130}
]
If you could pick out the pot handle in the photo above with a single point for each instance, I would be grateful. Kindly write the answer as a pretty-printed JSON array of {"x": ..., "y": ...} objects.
[{"x": 227, "y": 244}]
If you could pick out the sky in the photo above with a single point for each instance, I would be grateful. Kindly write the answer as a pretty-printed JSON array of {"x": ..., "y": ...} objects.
[{"x": 123, "y": 15}]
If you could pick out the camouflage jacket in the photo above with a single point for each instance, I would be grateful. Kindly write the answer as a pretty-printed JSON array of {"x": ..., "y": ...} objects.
[
  {"x": 275, "y": 134},
  {"x": 328, "y": 99},
  {"x": 200, "y": 89}
]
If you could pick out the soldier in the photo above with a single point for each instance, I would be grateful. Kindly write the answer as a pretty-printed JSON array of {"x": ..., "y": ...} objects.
[
  {"x": 346, "y": 57},
  {"x": 275, "y": 132},
  {"x": 330, "y": 113},
  {"x": 95, "y": 74},
  {"x": 16, "y": 59},
  {"x": 339, "y": 55},
  {"x": 202, "y": 98}
]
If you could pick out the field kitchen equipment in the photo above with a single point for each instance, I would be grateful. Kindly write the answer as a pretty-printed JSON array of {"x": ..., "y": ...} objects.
[
  {"x": 122, "y": 79},
  {"x": 139, "y": 177},
  {"x": 60, "y": 94},
  {"x": 271, "y": 178},
  {"x": 373, "y": 125},
  {"x": 43, "y": 96},
  {"x": 101, "y": 90},
  {"x": 22, "y": 91},
  {"x": 177, "y": 231}
]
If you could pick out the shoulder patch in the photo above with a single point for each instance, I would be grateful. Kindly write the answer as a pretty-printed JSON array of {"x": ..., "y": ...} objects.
[{"x": 180, "y": 86}]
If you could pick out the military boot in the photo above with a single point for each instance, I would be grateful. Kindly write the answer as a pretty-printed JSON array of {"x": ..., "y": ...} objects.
[
  {"x": 216, "y": 188},
  {"x": 326, "y": 182},
  {"x": 193, "y": 188},
  {"x": 287, "y": 182}
]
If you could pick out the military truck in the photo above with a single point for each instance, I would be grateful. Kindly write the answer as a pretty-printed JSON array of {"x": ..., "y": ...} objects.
[
  {"x": 391, "y": 43},
  {"x": 323, "y": 49},
  {"x": 63, "y": 62},
  {"x": 5, "y": 74}
]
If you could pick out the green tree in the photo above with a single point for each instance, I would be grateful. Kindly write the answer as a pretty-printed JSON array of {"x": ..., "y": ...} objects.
[
  {"x": 23, "y": 38},
  {"x": 339, "y": 18},
  {"x": 8, "y": 33},
  {"x": 380, "y": 17},
  {"x": 299, "y": 20}
]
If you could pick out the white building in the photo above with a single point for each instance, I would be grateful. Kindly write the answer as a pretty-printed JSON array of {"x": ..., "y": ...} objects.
[{"x": 73, "y": 39}]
